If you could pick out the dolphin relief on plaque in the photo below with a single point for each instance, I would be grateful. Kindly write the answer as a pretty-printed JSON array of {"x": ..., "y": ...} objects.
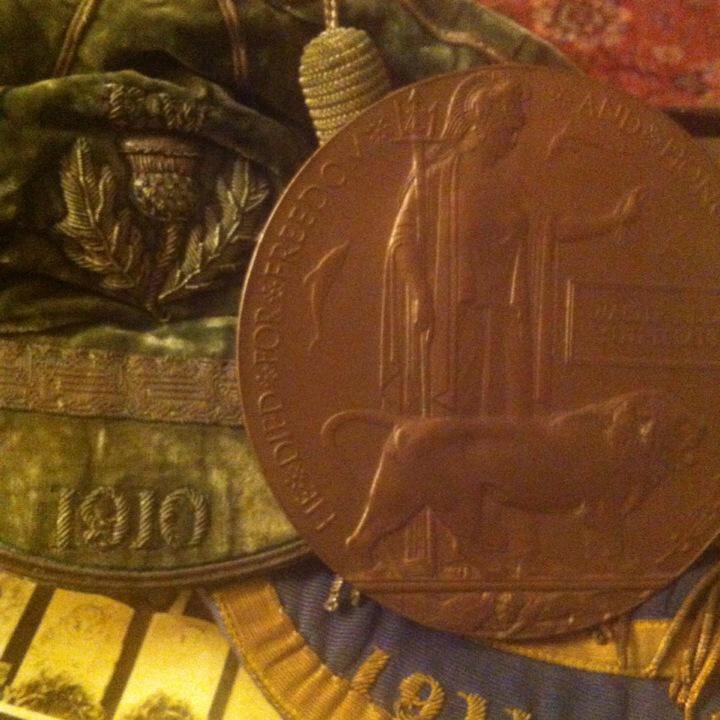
[{"x": 518, "y": 442}]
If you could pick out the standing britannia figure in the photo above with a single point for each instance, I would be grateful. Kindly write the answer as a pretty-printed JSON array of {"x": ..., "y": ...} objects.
[{"x": 467, "y": 266}]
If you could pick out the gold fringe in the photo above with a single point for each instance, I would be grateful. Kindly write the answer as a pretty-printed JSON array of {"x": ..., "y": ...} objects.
[
  {"x": 679, "y": 622},
  {"x": 628, "y": 657},
  {"x": 694, "y": 634}
]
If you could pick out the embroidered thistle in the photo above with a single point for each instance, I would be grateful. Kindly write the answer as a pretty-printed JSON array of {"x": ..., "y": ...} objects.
[
  {"x": 164, "y": 175},
  {"x": 153, "y": 264},
  {"x": 164, "y": 185}
]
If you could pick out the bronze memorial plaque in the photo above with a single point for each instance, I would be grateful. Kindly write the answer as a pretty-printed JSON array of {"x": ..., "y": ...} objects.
[{"x": 480, "y": 352}]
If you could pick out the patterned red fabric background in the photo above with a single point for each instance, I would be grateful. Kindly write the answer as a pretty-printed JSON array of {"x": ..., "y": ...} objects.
[{"x": 665, "y": 51}]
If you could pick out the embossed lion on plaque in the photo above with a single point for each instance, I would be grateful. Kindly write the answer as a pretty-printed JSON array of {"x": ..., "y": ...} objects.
[{"x": 598, "y": 462}]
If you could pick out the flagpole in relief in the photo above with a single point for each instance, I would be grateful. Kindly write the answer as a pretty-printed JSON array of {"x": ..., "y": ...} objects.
[
  {"x": 420, "y": 534},
  {"x": 418, "y": 141},
  {"x": 419, "y": 167}
]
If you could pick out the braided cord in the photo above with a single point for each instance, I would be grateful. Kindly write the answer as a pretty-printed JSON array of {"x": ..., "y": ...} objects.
[
  {"x": 74, "y": 35},
  {"x": 332, "y": 15},
  {"x": 231, "y": 16}
]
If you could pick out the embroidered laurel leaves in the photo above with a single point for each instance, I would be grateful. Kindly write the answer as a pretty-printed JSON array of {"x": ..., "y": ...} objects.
[
  {"x": 97, "y": 238},
  {"x": 152, "y": 262},
  {"x": 217, "y": 247}
]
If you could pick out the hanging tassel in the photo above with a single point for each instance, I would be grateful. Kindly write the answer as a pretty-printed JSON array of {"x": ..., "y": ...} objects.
[{"x": 341, "y": 74}]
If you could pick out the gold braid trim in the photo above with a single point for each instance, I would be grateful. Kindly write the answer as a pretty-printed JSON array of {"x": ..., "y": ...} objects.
[
  {"x": 85, "y": 383},
  {"x": 332, "y": 13},
  {"x": 230, "y": 14},
  {"x": 84, "y": 14},
  {"x": 685, "y": 650},
  {"x": 74, "y": 35},
  {"x": 455, "y": 37},
  {"x": 302, "y": 687},
  {"x": 288, "y": 671}
]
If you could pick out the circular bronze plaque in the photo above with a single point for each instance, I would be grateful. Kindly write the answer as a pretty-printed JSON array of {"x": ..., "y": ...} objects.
[{"x": 480, "y": 352}]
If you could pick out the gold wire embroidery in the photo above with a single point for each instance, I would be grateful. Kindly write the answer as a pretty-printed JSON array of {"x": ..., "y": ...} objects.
[
  {"x": 421, "y": 697},
  {"x": 368, "y": 673},
  {"x": 341, "y": 74},
  {"x": 213, "y": 248},
  {"x": 135, "y": 108},
  {"x": 101, "y": 519},
  {"x": 98, "y": 239},
  {"x": 108, "y": 242},
  {"x": 516, "y": 714},
  {"x": 477, "y": 706},
  {"x": 86, "y": 383}
]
